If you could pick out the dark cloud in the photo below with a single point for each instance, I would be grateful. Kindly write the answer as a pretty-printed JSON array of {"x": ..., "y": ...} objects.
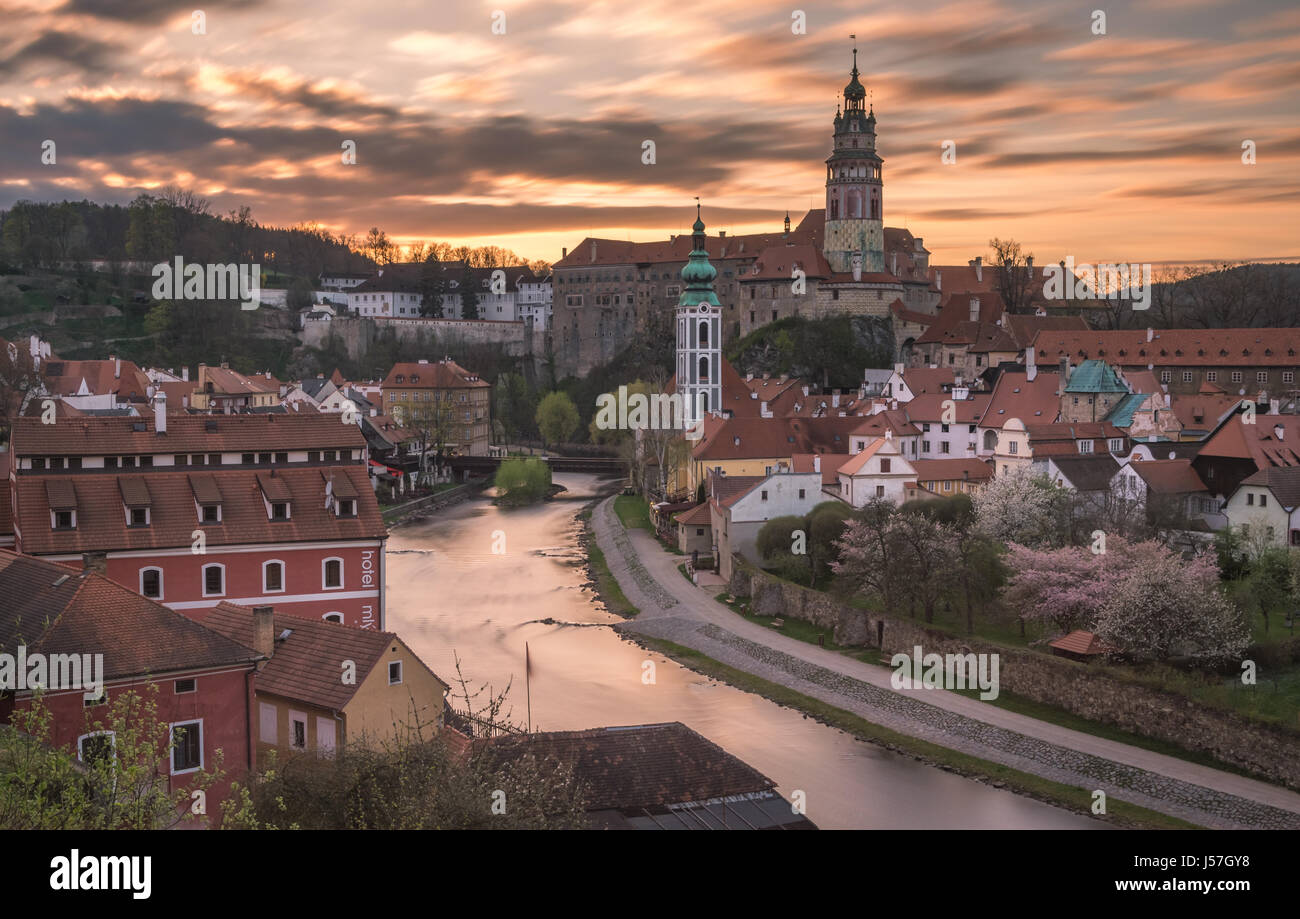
[
  {"x": 147, "y": 11},
  {"x": 69, "y": 50}
]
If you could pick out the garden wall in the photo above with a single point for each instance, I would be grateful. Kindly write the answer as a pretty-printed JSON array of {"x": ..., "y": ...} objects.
[{"x": 1085, "y": 690}]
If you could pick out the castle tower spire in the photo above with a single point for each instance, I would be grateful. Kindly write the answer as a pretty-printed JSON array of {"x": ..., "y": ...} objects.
[
  {"x": 854, "y": 238},
  {"x": 699, "y": 331}
]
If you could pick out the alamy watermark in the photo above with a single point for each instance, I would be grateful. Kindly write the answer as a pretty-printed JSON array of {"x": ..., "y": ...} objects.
[
  {"x": 232, "y": 281},
  {"x": 946, "y": 671},
  {"x": 52, "y": 672},
  {"x": 1066, "y": 281},
  {"x": 649, "y": 412}
]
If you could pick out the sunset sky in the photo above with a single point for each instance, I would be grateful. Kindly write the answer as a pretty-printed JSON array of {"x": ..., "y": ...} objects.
[{"x": 1120, "y": 147}]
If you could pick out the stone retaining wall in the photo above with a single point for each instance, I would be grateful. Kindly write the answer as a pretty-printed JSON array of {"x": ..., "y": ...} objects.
[{"x": 1270, "y": 751}]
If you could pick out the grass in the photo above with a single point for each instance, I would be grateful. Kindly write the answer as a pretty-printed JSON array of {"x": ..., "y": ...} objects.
[
  {"x": 633, "y": 511},
  {"x": 1078, "y": 800},
  {"x": 685, "y": 573},
  {"x": 606, "y": 584}
]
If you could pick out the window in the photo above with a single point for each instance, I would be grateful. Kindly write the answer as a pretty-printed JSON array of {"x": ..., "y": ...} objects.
[
  {"x": 268, "y": 722},
  {"x": 180, "y": 459},
  {"x": 151, "y": 583},
  {"x": 1187, "y": 376},
  {"x": 394, "y": 672},
  {"x": 94, "y": 747},
  {"x": 264, "y": 457},
  {"x": 1250, "y": 498},
  {"x": 313, "y": 456},
  {"x": 110, "y": 462},
  {"x": 282, "y": 457},
  {"x": 64, "y": 520},
  {"x": 943, "y": 446},
  {"x": 1115, "y": 444},
  {"x": 272, "y": 577},
  {"x": 214, "y": 459},
  {"x": 925, "y": 446},
  {"x": 332, "y": 573},
  {"x": 183, "y": 686},
  {"x": 139, "y": 516},
  {"x": 38, "y": 463},
  {"x": 187, "y": 747},
  {"x": 764, "y": 494},
  {"x": 1013, "y": 447},
  {"x": 880, "y": 491},
  {"x": 1288, "y": 376},
  {"x": 699, "y": 531},
  {"x": 1261, "y": 376},
  {"x": 1236, "y": 376},
  {"x": 347, "y": 507},
  {"x": 280, "y": 511},
  {"x": 947, "y": 486},
  {"x": 297, "y": 731},
  {"x": 1211, "y": 375},
  {"x": 214, "y": 580},
  {"x": 333, "y": 617},
  {"x": 1085, "y": 446},
  {"x": 801, "y": 497},
  {"x": 246, "y": 459},
  {"x": 1165, "y": 376},
  {"x": 1263, "y": 500}
]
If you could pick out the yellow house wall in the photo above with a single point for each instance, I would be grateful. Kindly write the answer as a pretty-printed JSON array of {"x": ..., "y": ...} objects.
[{"x": 379, "y": 712}]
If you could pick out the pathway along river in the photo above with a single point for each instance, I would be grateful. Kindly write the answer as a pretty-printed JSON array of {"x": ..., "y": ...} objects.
[{"x": 448, "y": 592}]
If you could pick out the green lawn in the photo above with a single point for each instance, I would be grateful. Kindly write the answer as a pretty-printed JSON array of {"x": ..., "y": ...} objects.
[{"x": 633, "y": 511}]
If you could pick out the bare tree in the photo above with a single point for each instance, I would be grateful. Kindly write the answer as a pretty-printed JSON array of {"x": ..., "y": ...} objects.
[{"x": 1015, "y": 281}]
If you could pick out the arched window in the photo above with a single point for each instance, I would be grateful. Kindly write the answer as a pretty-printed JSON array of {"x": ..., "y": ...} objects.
[
  {"x": 214, "y": 580},
  {"x": 151, "y": 583},
  {"x": 990, "y": 440},
  {"x": 333, "y": 617},
  {"x": 332, "y": 574},
  {"x": 273, "y": 577},
  {"x": 704, "y": 370},
  {"x": 704, "y": 334}
]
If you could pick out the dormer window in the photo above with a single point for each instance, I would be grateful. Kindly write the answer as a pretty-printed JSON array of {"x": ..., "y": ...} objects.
[
  {"x": 280, "y": 510},
  {"x": 139, "y": 516},
  {"x": 211, "y": 513},
  {"x": 63, "y": 520},
  {"x": 347, "y": 508}
]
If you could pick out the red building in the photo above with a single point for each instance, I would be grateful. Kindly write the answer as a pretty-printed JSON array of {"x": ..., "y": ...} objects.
[
  {"x": 191, "y": 510},
  {"x": 205, "y": 680}
]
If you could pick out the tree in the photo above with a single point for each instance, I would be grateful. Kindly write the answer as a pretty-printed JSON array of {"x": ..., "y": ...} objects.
[
  {"x": 124, "y": 784},
  {"x": 776, "y": 543},
  {"x": 300, "y": 295},
  {"x": 926, "y": 557},
  {"x": 435, "y": 425},
  {"x": 557, "y": 418},
  {"x": 1024, "y": 507},
  {"x": 1161, "y": 608},
  {"x": 825, "y": 526},
  {"x": 1230, "y": 551},
  {"x": 1270, "y": 581},
  {"x": 378, "y": 247},
  {"x": 522, "y": 480},
  {"x": 433, "y": 285},
  {"x": 468, "y": 294},
  {"x": 1014, "y": 280},
  {"x": 869, "y": 553}
]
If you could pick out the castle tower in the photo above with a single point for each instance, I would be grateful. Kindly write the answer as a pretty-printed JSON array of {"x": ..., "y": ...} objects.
[
  {"x": 855, "y": 237},
  {"x": 699, "y": 333}
]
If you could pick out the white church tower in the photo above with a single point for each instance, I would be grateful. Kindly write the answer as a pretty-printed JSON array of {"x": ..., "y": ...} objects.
[{"x": 699, "y": 333}]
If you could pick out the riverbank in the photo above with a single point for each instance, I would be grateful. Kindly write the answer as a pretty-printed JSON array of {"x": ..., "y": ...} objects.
[{"x": 974, "y": 736}]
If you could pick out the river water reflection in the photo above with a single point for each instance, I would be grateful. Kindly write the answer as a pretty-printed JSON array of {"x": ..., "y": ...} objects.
[{"x": 447, "y": 591}]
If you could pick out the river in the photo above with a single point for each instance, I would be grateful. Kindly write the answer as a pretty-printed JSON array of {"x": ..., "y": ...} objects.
[{"x": 448, "y": 591}]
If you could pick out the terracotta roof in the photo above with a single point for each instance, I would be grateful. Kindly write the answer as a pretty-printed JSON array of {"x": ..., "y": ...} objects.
[
  {"x": 1258, "y": 441},
  {"x": 611, "y": 252},
  {"x": 1015, "y": 396},
  {"x": 64, "y": 378},
  {"x": 1283, "y": 481},
  {"x": 906, "y": 315},
  {"x": 6, "y": 508},
  {"x": 433, "y": 375},
  {"x": 57, "y": 610},
  {"x": 1169, "y": 477},
  {"x": 185, "y": 434},
  {"x": 955, "y": 310},
  {"x": 830, "y": 464},
  {"x": 306, "y": 664},
  {"x": 227, "y": 382},
  {"x": 1088, "y": 471},
  {"x": 894, "y": 419},
  {"x": 641, "y": 766},
  {"x": 777, "y": 263},
  {"x": 928, "y": 379},
  {"x": 1202, "y": 411},
  {"x": 700, "y": 514},
  {"x": 1080, "y": 642},
  {"x": 726, "y": 490},
  {"x": 962, "y": 468},
  {"x": 1023, "y": 328},
  {"x": 930, "y": 407},
  {"x": 752, "y": 438},
  {"x": 1175, "y": 347},
  {"x": 853, "y": 465},
  {"x": 101, "y": 524}
]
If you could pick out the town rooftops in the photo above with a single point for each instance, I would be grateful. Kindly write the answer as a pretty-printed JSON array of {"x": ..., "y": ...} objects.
[
  {"x": 85, "y": 436},
  {"x": 750, "y": 438},
  {"x": 1016, "y": 396},
  {"x": 101, "y": 524},
  {"x": 1087, "y": 472},
  {"x": 641, "y": 770},
  {"x": 1173, "y": 347},
  {"x": 1259, "y": 441},
  {"x": 96, "y": 377},
  {"x": 957, "y": 470},
  {"x": 444, "y": 374},
  {"x": 58, "y": 610},
  {"x": 227, "y": 382},
  {"x": 699, "y": 515},
  {"x": 1283, "y": 481},
  {"x": 306, "y": 664},
  {"x": 1169, "y": 477}
]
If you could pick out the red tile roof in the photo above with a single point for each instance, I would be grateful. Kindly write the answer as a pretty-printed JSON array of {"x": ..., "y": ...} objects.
[
  {"x": 1015, "y": 396},
  {"x": 432, "y": 375},
  {"x": 696, "y": 516},
  {"x": 56, "y": 610},
  {"x": 1080, "y": 642},
  {"x": 306, "y": 665},
  {"x": 929, "y": 408},
  {"x": 961, "y": 469},
  {"x": 1169, "y": 477},
  {"x": 101, "y": 523},
  {"x": 1258, "y": 441},
  {"x": 90, "y": 436},
  {"x": 127, "y": 381},
  {"x": 1175, "y": 347},
  {"x": 227, "y": 382},
  {"x": 642, "y": 766},
  {"x": 754, "y": 438}
]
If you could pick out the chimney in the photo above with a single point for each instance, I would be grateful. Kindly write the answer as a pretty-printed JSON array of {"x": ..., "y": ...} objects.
[
  {"x": 160, "y": 412},
  {"x": 117, "y": 367},
  {"x": 1031, "y": 364},
  {"x": 1274, "y": 408},
  {"x": 564, "y": 252},
  {"x": 264, "y": 630},
  {"x": 979, "y": 268},
  {"x": 95, "y": 562},
  {"x": 898, "y": 369},
  {"x": 722, "y": 234},
  {"x": 817, "y": 462},
  {"x": 974, "y": 309},
  {"x": 1065, "y": 371},
  {"x": 1151, "y": 334},
  {"x": 593, "y": 250},
  {"x": 185, "y": 374}
]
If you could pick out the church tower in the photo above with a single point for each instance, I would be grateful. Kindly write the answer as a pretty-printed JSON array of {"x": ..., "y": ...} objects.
[
  {"x": 699, "y": 333},
  {"x": 855, "y": 237}
]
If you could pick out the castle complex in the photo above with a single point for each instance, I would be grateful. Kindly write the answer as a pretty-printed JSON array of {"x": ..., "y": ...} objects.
[{"x": 840, "y": 259}]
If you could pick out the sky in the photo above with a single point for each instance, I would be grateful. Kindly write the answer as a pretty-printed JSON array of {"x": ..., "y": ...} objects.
[{"x": 523, "y": 124}]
